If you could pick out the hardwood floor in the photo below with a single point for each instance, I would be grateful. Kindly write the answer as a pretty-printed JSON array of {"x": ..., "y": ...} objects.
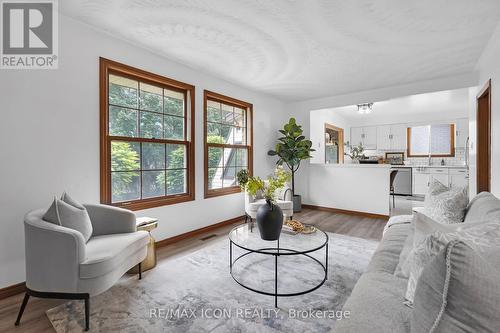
[{"x": 34, "y": 318}]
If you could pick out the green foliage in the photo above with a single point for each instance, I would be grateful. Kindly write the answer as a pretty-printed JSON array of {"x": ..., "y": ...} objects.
[
  {"x": 243, "y": 178},
  {"x": 123, "y": 157},
  {"x": 356, "y": 152},
  {"x": 123, "y": 96},
  {"x": 292, "y": 147},
  {"x": 269, "y": 187},
  {"x": 254, "y": 185},
  {"x": 215, "y": 139},
  {"x": 276, "y": 182},
  {"x": 175, "y": 178}
]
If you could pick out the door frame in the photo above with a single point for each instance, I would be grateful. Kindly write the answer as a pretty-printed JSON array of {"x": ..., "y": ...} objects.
[
  {"x": 483, "y": 138},
  {"x": 341, "y": 141}
]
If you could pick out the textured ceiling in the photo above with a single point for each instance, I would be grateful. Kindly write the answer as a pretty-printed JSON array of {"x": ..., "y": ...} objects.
[
  {"x": 297, "y": 50},
  {"x": 454, "y": 103}
]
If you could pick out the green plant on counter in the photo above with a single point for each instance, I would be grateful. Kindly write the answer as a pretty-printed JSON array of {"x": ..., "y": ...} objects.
[{"x": 356, "y": 152}]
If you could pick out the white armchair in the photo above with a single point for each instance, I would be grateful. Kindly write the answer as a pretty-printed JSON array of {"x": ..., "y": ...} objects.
[
  {"x": 59, "y": 264},
  {"x": 284, "y": 201}
]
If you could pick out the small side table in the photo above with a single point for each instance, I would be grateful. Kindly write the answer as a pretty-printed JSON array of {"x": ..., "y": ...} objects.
[{"x": 147, "y": 224}]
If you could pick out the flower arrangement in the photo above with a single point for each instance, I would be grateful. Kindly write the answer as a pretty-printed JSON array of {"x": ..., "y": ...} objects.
[{"x": 268, "y": 188}]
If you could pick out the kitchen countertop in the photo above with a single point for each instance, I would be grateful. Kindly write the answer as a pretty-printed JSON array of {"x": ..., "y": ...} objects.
[
  {"x": 431, "y": 166},
  {"x": 352, "y": 165}
]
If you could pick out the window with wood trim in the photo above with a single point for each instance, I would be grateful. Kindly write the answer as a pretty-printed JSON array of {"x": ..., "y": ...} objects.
[
  {"x": 228, "y": 142},
  {"x": 438, "y": 140},
  {"x": 147, "y": 146}
]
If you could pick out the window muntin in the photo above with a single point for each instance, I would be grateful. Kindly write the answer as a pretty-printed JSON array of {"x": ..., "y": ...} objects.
[
  {"x": 228, "y": 146},
  {"x": 147, "y": 156}
]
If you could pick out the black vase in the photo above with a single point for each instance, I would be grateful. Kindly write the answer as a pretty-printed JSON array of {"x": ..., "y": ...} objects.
[{"x": 269, "y": 221}]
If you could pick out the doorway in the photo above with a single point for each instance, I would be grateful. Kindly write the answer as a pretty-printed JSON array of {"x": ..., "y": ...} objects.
[
  {"x": 334, "y": 144},
  {"x": 483, "y": 144}
]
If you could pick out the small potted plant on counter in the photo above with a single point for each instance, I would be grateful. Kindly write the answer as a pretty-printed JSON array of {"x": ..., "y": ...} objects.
[
  {"x": 269, "y": 215},
  {"x": 356, "y": 153}
]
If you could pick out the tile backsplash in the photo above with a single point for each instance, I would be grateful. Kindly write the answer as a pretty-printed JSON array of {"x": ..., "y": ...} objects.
[{"x": 459, "y": 159}]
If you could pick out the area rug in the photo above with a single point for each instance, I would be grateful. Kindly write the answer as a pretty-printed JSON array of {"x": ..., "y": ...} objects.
[{"x": 196, "y": 293}]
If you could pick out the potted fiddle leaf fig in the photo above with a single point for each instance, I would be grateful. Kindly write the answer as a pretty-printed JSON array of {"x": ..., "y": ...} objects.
[{"x": 292, "y": 148}]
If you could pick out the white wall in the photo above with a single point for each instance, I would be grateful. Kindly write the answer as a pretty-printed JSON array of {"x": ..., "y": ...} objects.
[
  {"x": 489, "y": 68},
  {"x": 49, "y": 135},
  {"x": 355, "y": 187},
  {"x": 472, "y": 141},
  {"x": 318, "y": 119}
]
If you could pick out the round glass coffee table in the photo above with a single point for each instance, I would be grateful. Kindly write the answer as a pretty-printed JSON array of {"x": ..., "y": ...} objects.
[{"x": 248, "y": 240}]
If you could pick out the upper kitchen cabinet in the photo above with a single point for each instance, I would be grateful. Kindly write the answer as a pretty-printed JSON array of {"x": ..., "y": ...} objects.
[
  {"x": 384, "y": 137},
  {"x": 461, "y": 132},
  {"x": 391, "y": 137},
  {"x": 356, "y": 136},
  {"x": 370, "y": 137},
  {"x": 398, "y": 137},
  {"x": 367, "y": 136}
]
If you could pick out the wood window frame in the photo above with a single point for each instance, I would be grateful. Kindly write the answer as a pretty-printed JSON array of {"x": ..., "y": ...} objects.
[
  {"x": 452, "y": 144},
  {"x": 213, "y": 96},
  {"x": 107, "y": 67}
]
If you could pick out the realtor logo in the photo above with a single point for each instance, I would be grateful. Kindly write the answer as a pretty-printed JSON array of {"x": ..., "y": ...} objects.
[{"x": 29, "y": 35}]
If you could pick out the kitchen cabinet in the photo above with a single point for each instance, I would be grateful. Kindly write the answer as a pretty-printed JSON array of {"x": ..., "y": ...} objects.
[
  {"x": 420, "y": 181},
  {"x": 367, "y": 136},
  {"x": 461, "y": 132},
  {"x": 451, "y": 177},
  {"x": 439, "y": 174},
  {"x": 398, "y": 137},
  {"x": 384, "y": 137},
  {"x": 370, "y": 137},
  {"x": 356, "y": 136},
  {"x": 458, "y": 178},
  {"x": 391, "y": 137}
]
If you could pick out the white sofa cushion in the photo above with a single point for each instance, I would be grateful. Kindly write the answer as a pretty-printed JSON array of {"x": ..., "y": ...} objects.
[
  {"x": 105, "y": 253},
  {"x": 70, "y": 214},
  {"x": 481, "y": 234},
  {"x": 446, "y": 205}
]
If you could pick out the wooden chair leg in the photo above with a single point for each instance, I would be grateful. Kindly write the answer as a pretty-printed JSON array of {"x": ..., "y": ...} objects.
[
  {"x": 140, "y": 271},
  {"x": 21, "y": 310},
  {"x": 87, "y": 313}
]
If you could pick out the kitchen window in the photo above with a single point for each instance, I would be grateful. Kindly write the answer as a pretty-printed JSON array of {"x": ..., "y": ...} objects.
[
  {"x": 147, "y": 148},
  {"x": 228, "y": 142},
  {"x": 435, "y": 140}
]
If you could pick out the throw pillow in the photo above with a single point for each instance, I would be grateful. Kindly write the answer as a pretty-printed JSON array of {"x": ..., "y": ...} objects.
[
  {"x": 68, "y": 213},
  {"x": 446, "y": 205},
  {"x": 485, "y": 234},
  {"x": 459, "y": 291},
  {"x": 424, "y": 226}
]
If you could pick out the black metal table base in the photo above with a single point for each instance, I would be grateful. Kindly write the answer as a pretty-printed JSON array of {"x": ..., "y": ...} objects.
[{"x": 278, "y": 251}]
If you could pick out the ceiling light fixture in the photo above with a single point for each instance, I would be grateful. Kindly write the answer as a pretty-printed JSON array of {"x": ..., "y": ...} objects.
[{"x": 365, "y": 108}]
